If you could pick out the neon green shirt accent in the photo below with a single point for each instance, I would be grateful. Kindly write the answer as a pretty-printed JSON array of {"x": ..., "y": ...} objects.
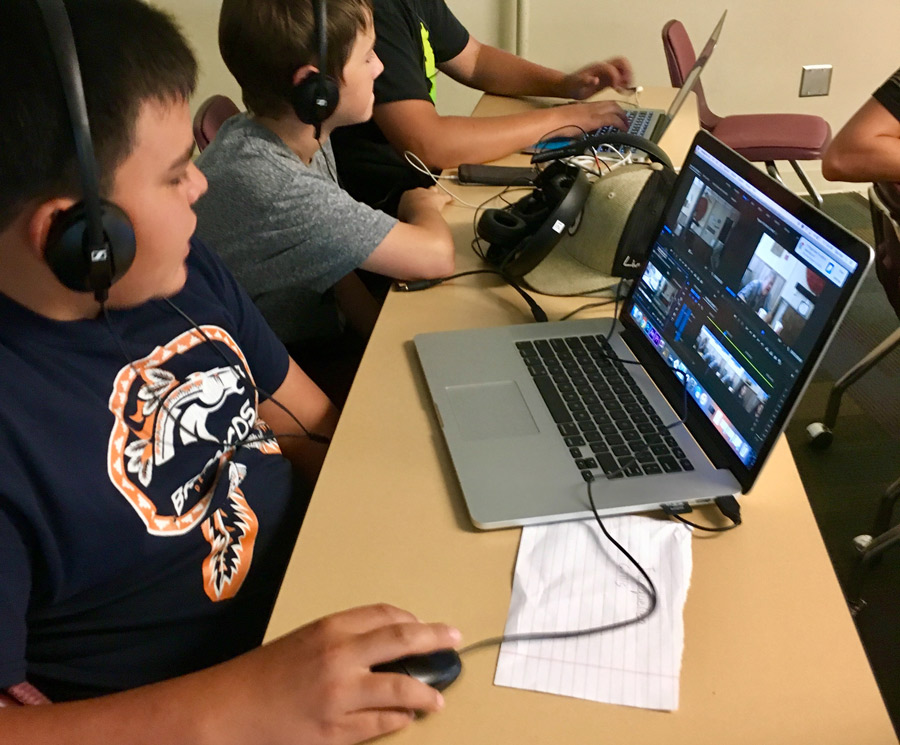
[{"x": 430, "y": 66}]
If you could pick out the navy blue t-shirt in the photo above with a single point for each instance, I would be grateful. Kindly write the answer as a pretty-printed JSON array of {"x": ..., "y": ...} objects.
[{"x": 146, "y": 513}]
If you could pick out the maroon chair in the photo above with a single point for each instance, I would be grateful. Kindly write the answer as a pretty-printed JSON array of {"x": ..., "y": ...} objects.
[
  {"x": 758, "y": 137},
  {"x": 210, "y": 116}
]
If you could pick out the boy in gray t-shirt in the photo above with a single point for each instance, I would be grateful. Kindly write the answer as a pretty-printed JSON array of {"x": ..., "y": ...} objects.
[
  {"x": 274, "y": 210},
  {"x": 286, "y": 229}
]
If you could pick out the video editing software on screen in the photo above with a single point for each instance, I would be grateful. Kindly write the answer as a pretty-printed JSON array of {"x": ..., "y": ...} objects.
[{"x": 740, "y": 304}]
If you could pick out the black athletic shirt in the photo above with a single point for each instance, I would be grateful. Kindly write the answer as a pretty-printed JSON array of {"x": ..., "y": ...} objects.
[
  {"x": 412, "y": 37},
  {"x": 888, "y": 95}
]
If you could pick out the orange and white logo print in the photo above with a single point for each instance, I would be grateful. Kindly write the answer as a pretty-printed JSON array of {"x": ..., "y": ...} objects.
[
  {"x": 231, "y": 538},
  {"x": 157, "y": 416}
]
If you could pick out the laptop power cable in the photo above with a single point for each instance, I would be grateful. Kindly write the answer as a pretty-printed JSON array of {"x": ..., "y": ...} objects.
[{"x": 727, "y": 505}]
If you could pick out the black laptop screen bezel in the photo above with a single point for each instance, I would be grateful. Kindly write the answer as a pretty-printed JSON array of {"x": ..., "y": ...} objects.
[{"x": 712, "y": 442}]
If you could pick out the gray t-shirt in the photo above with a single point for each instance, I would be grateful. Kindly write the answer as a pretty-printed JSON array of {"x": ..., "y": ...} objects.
[{"x": 286, "y": 230}]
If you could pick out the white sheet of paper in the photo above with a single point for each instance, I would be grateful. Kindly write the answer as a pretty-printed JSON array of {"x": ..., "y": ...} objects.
[{"x": 569, "y": 576}]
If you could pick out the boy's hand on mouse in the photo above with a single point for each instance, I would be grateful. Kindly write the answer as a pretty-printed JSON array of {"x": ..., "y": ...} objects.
[
  {"x": 415, "y": 201},
  {"x": 315, "y": 687},
  {"x": 613, "y": 73}
]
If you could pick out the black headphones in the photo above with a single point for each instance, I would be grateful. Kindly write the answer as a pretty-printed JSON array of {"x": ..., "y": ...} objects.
[
  {"x": 90, "y": 245},
  {"x": 522, "y": 234},
  {"x": 316, "y": 97}
]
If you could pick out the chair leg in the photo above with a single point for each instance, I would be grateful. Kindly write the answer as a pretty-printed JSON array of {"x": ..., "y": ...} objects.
[
  {"x": 773, "y": 171},
  {"x": 854, "y": 374},
  {"x": 886, "y": 508},
  {"x": 811, "y": 190},
  {"x": 870, "y": 551},
  {"x": 871, "y": 547}
]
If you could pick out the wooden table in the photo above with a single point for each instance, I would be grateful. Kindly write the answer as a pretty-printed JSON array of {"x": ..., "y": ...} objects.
[{"x": 771, "y": 653}]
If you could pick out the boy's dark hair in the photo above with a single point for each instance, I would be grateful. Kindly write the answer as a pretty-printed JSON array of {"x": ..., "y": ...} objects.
[
  {"x": 263, "y": 42},
  {"x": 128, "y": 52}
]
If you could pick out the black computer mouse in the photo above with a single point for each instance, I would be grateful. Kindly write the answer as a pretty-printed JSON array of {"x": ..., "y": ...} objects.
[{"x": 437, "y": 669}]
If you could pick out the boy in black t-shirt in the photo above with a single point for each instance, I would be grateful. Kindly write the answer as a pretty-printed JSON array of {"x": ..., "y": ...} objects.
[
  {"x": 415, "y": 39},
  {"x": 146, "y": 506}
]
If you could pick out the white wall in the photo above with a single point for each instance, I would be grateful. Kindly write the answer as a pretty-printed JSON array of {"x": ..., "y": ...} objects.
[
  {"x": 756, "y": 67},
  {"x": 199, "y": 20}
]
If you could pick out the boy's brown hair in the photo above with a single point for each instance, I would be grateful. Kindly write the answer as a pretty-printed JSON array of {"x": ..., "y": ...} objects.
[{"x": 263, "y": 42}]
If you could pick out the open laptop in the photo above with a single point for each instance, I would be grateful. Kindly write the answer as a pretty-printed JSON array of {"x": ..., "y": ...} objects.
[
  {"x": 742, "y": 290},
  {"x": 650, "y": 124}
]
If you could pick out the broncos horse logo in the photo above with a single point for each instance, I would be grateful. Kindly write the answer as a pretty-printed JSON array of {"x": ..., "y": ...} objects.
[{"x": 156, "y": 416}]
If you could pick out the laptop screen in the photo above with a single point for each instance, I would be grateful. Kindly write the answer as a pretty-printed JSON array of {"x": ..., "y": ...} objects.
[{"x": 740, "y": 293}]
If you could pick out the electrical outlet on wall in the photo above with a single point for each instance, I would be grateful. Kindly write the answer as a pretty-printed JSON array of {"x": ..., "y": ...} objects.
[{"x": 815, "y": 80}]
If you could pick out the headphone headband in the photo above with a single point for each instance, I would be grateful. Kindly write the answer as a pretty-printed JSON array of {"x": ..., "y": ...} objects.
[
  {"x": 316, "y": 97},
  {"x": 62, "y": 44},
  {"x": 91, "y": 244},
  {"x": 321, "y": 19}
]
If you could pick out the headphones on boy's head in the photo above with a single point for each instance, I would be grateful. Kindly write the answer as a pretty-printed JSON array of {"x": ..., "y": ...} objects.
[
  {"x": 316, "y": 97},
  {"x": 91, "y": 244}
]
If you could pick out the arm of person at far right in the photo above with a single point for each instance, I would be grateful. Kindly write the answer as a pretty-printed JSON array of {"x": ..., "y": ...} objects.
[
  {"x": 867, "y": 148},
  {"x": 313, "y": 686}
]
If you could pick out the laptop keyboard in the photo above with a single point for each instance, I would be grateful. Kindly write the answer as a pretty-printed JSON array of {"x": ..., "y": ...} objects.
[
  {"x": 638, "y": 122},
  {"x": 608, "y": 425}
]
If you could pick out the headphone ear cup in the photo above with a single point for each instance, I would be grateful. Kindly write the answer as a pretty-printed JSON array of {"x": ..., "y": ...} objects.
[
  {"x": 68, "y": 256},
  {"x": 315, "y": 98},
  {"x": 501, "y": 227},
  {"x": 532, "y": 208},
  {"x": 557, "y": 187}
]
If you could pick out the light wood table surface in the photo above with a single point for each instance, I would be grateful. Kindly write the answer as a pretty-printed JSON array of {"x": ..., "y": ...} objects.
[{"x": 771, "y": 653}]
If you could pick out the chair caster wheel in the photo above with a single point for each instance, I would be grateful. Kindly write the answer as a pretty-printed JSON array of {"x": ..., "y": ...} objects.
[{"x": 820, "y": 436}]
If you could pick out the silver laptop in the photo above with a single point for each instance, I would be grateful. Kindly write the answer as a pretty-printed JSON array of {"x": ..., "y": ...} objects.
[
  {"x": 741, "y": 292},
  {"x": 652, "y": 123}
]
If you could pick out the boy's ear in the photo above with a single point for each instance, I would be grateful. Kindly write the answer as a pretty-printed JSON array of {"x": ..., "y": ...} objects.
[
  {"x": 41, "y": 219},
  {"x": 302, "y": 73}
]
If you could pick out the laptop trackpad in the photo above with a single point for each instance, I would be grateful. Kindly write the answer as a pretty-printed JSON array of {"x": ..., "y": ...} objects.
[{"x": 486, "y": 411}]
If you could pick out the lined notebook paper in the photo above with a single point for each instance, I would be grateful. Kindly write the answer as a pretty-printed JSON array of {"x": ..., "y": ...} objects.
[{"x": 569, "y": 576}]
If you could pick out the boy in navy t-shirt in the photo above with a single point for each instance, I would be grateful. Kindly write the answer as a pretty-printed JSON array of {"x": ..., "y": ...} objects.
[{"x": 152, "y": 487}]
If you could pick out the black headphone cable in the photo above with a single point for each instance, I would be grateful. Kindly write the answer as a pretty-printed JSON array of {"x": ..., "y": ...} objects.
[
  {"x": 649, "y": 590},
  {"x": 315, "y": 437},
  {"x": 250, "y": 438},
  {"x": 416, "y": 285}
]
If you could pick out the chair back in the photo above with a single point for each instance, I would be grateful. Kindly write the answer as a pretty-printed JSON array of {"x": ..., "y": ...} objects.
[
  {"x": 210, "y": 116},
  {"x": 680, "y": 58},
  {"x": 887, "y": 239}
]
